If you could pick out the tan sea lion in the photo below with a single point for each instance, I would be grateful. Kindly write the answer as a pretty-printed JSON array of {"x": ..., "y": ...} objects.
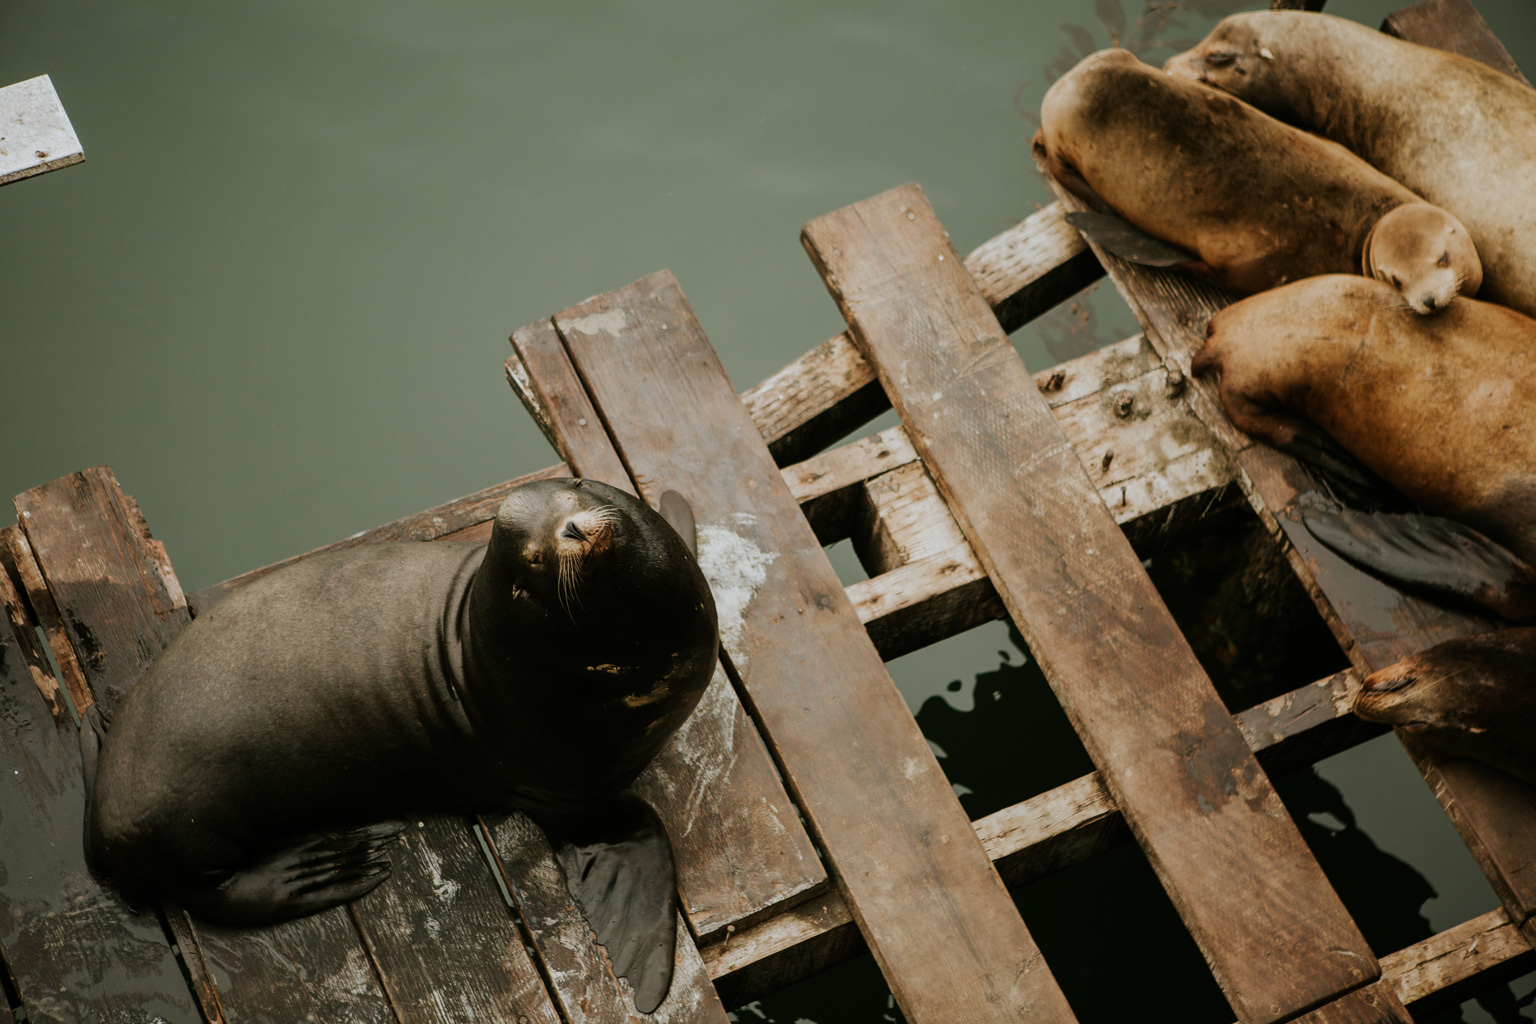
[
  {"x": 1257, "y": 202},
  {"x": 1452, "y": 129},
  {"x": 1474, "y": 697},
  {"x": 1442, "y": 408}
]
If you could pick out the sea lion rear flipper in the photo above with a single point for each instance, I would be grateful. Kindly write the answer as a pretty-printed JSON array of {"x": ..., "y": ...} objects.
[
  {"x": 306, "y": 877},
  {"x": 1119, "y": 236},
  {"x": 1433, "y": 554},
  {"x": 619, "y": 870},
  {"x": 1350, "y": 477},
  {"x": 679, "y": 515}
]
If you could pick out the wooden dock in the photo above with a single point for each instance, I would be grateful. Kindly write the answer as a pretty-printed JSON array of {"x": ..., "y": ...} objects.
[{"x": 810, "y": 818}]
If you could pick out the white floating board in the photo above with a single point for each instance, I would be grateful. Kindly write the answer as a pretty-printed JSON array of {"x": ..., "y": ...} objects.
[{"x": 35, "y": 133}]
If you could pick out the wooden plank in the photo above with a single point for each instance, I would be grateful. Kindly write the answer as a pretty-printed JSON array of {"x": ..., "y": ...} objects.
[
  {"x": 1277, "y": 938},
  {"x": 121, "y": 605},
  {"x": 1453, "y": 25},
  {"x": 1374, "y": 1004},
  {"x": 1459, "y": 962},
  {"x": 935, "y": 914},
  {"x": 1035, "y": 838},
  {"x": 74, "y": 950},
  {"x": 445, "y": 944},
  {"x": 831, "y": 391},
  {"x": 580, "y": 976},
  {"x": 35, "y": 133},
  {"x": 738, "y": 842}
]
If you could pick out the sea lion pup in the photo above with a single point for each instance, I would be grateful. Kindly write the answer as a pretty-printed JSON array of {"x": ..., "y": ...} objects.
[
  {"x": 1258, "y": 203},
  {"x": 1474, "y": 697},
  {"x": 1441, "y": 408},
  {"x": 1450, "y": 128},
  {"x": 260, "y": 767}
]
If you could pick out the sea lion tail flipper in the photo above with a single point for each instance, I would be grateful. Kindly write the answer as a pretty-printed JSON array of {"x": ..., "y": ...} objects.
[
  {"x": 1432, "y": 554},
  {"x": 317, "y": 872},
  {"x": 679, "y": 515},
  {"x": 1117, "y": 235},
  {"x": 619, "y": 870}
]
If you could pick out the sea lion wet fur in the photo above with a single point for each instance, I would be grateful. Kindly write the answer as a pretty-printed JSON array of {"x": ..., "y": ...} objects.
[
  {"x": 1439, "y": 407},
  {"x": 1452, "y": 129},
  {"x": 253, "y": 772},
  {"x": 1259, "y": 202},
  {"x": 1473, "y": 697}
]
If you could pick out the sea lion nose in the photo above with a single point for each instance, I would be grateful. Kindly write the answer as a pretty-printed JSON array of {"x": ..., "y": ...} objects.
[{"x": 1428, "y": 298}]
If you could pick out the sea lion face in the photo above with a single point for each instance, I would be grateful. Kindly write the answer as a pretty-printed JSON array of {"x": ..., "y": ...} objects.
[
  {"x": 1474, "y": 697},
  {"x": 1233, "y": 58},
  {"x": 555, "y": 534},
  {"x": 1425, "y": 253}
]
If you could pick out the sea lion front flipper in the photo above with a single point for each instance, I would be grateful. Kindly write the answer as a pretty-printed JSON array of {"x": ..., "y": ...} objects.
[
  {"x": 619, "y": 870},
  {"x": 1433, "y": 554},
  {"x": 679, "y": 515},
  {"x": 316, "y": 873},
  {"x": 1119, "y": 236}
]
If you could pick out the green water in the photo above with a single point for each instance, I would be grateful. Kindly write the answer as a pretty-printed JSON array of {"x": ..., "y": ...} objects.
[{"x": 275, "y": 298}]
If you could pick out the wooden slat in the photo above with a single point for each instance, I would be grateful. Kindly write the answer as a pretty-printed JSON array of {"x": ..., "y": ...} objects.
[
  {"x": 1036, "y": 837},
  {"x": 35, "y": 133},
  {"x": 1277, "y": 937},
  {"x": 1453, "y": 25},
  {"x": 75, "y": 951},
  {"x": 1375, "y": 624},
  {"x": 1374, "y": 1004},
  {"x": 935, "y": 914},
  {"x": 120, "y": 607},
  {"x": 830, "y": 391},
  {"x": 443, "y": 941},
  {"x": 739, "y": 845},
  {"x": 580, "y": 976},
  {"x": 1459, "y": 962}
]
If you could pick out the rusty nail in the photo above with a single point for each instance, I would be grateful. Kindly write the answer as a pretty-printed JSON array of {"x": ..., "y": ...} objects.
[
  {"x": 1054, "y": 381},
  {"x": 1122, "y": 497},
  {"x": 1109, "y": 457},
  {"x": 1176, "y": 382},
  {"x": 1124, "y": 403}
]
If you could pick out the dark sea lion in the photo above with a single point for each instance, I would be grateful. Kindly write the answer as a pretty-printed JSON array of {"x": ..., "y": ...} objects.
[
  {"x": 1450, "y": 128},
  {"x": 259, "y": 768},
  {"x": 1257, "y": 202},
  {"x": 1474, "y": 697},
  {"x": 1441, "y": 408}
]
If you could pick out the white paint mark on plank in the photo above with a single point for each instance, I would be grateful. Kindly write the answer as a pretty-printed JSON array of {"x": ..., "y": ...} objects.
[
  {"x": 35, "y": 133},
  {"x": 735, "y": 568},
  {"x": 611, "y": 323}
]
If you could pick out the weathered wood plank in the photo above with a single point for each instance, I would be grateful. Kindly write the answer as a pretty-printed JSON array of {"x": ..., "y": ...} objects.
[
  {"x": 830, "y": 391},
  {"x": 935, "y": 914},
  {"x": 1459, "y": 962},
  {"x": 1374, "y": 1004},
  {"x": 1277, "y": 938},
  {"x": 75, "y": 951},
  {"x": 482, "y": 973},
  {"x": 580, "y": 976},
  {"x": 35, "y": 133},
  {"x": 1034, "y": 838},
  {"x": 1453, "y": 25},
  {"x": 121, "y": 605},
  {"x": 739, "y": 845}
]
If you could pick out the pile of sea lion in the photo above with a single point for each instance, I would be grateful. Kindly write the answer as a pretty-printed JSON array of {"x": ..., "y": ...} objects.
[
  {"x": 262, "y": 766},
  {"x": 1303, "y": 159}
]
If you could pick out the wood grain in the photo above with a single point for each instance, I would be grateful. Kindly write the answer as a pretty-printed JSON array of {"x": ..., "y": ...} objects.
[
  {"x": 1453, "y": 25},
  {"x": 74, "y": 950},
  {"x": 739, "y": 845},
  {"x": 1277, "y": 938},
  {"x": 120, "y": 606},
  {"x": 935, "y": 914}
]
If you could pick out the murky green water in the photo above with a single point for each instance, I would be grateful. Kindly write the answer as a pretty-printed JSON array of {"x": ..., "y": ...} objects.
[{"x": 275, "y": 299}]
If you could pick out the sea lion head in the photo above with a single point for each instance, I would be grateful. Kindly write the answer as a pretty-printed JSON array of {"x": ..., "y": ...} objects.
[
  {"x": 1425, "y": 253},
  {"x": 1473, "y": 697},
  {"x": 1234, "y": 58}
]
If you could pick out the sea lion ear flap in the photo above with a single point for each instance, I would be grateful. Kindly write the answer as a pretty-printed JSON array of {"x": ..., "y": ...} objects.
[
  {"x": 679, "y": 514},
  {"x": 620, "y": 873}
]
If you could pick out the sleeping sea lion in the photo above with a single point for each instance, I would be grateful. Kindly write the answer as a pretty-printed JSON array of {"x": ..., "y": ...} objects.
[
  {"x": 1474, "y": 697},
  {"x": 259, "y": 768},
  {"x": 1452, "y": 129},
  {"x": 1256, "y": 202}
]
